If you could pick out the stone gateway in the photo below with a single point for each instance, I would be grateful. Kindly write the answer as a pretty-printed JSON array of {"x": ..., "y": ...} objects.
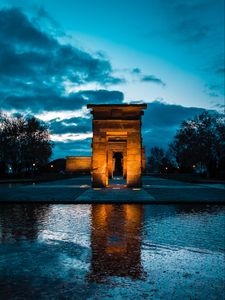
[{"x": 117, "y": 143}]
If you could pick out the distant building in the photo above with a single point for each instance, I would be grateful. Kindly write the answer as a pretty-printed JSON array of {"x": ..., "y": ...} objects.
[{"x": 78, "y": 164}]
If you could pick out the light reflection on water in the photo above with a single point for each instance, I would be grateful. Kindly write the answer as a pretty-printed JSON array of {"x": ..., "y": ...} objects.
[{"x": 112, "y": 250}]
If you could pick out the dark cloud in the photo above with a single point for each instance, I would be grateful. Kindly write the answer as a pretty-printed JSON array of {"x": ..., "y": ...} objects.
[
  {"x": 160, "y": 114},
  {"x": 215, "y": 89},
  {"x": 215, "y": 86},
  {"x": 17, "y": 29},
  {"x": 190, "y": 31},
  {"x": 136, "y": 71},
  {"x": 192, "y": 22},
  {"x": 72, "y": 125},
  {"x": 53, "y": 102},
  {"x": 220, "y": 106},
  {"x": 161, "y": 120},
  {"x": 34, "y": 67},
  {"x": 152, "y": 78},
  {"x": 103, "y": 96}
]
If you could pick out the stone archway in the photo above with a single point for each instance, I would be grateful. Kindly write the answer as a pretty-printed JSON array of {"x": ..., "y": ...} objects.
[{"x": 117, "y": 128}]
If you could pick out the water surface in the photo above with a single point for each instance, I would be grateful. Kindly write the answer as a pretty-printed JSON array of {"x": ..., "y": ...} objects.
[{"x": 111, "y": 251}]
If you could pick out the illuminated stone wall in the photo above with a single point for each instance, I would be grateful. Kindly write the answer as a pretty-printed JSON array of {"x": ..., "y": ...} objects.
[
  {"x": 113, "y": 124},
  {"x": 78, "y": 164}
]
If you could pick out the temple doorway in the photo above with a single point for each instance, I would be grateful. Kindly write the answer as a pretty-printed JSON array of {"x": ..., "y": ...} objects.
[{"x": 118, "y": 164}]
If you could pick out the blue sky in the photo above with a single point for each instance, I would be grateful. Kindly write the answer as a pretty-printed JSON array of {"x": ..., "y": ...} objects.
[{"x": 56, "y": 56}]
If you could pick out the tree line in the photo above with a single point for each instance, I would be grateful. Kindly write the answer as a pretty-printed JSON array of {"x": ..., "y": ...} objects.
[
  {"x": 198, "y": 146},
  {"x": 24, "y": 144}
]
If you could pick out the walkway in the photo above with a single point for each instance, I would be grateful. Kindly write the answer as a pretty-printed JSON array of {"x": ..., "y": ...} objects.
[{"x": 78, "y": 190}]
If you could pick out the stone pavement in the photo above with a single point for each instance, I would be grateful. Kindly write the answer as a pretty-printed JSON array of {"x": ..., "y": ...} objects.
[
  {"x": 114, "y": 195},
  {"x": 78, "y": 190}
]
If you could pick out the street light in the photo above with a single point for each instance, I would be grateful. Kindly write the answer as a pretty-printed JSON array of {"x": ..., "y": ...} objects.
[{"x": 33, "y": 165}]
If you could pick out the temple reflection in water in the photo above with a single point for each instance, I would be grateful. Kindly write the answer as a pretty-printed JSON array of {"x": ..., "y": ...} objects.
[{"x": 116, "y": 241}]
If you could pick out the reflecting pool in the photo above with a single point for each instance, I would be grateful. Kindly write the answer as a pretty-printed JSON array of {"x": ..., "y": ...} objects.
[{"x": 112, "y": 251}]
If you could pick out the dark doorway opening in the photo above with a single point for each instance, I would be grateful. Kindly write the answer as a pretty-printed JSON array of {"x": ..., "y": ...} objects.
[{"x": 118, "y": 164}]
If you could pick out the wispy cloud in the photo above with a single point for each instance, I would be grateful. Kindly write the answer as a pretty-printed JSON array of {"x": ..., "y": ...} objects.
[
  {"x": 153, "y": 79},
  {"x": 137, "y": 73}
]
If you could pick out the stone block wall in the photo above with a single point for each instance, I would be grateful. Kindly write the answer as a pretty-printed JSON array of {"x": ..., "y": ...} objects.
[{"x": 78, "y": 164}]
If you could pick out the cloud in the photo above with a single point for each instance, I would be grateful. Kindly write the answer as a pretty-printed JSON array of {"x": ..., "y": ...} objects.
[
  {"x": 161, "y": 120},
  {"x": 190, "y": 31},
  {"x": 137, "y": 72},
  {"x": 160, "y": 114},
  {"x": 215, "y": 89},
  {"x": 153, "y": 79},
  {"x": 17, "y": 29},
  {"x": 192, "y": 23},
  {"x": 34, "y": 66},
  {"x": 53, "y": 102},
  {"x": 191, "y": 20},
  {"x": 215, "y": 86},
  {"x": 72, "y": 125}
]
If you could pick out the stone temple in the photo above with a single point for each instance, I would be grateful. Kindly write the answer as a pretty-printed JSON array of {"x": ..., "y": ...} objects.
[
  {"x": 117, "y": 149},
  {"x": 117, "y": 143}
]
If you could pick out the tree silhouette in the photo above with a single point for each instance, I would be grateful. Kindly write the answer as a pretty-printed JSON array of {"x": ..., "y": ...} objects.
[
  {"x": 201, "y": 142},
  {"x": 159, "y": 161},
  {"x": 24, "y": 143}
]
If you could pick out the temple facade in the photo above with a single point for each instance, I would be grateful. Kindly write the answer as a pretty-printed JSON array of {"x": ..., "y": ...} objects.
[{"x": 117, "y": 143}]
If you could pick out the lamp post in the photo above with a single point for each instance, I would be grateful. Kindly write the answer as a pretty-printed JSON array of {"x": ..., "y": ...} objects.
[{"x": 33, "y": 169}]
